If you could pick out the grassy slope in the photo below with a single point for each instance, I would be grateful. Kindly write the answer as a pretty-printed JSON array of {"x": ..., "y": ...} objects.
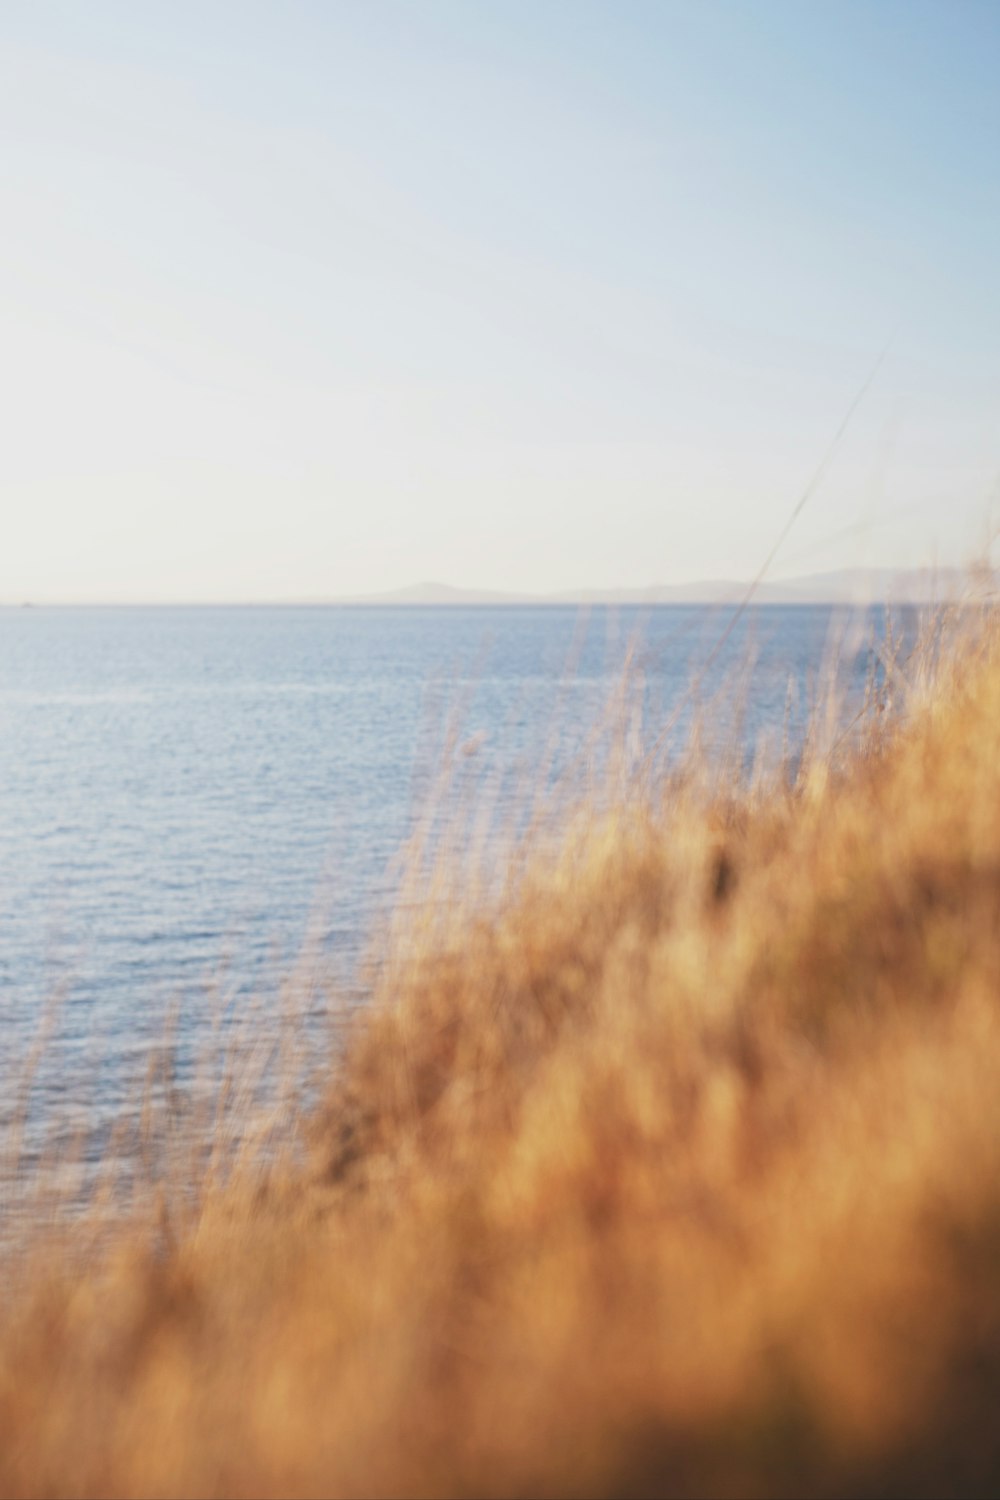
[{"x": 678, "y": 1171}]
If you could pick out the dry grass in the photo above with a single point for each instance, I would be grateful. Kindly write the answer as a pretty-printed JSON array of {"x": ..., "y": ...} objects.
[{"x": 675, "y": 1169}]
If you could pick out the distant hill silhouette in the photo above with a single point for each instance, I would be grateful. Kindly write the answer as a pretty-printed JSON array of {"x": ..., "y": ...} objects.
[{"x": 845, "y": 586}]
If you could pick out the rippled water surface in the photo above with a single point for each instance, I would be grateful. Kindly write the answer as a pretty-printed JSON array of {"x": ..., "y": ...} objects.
[{"x": 177, "y": 786}]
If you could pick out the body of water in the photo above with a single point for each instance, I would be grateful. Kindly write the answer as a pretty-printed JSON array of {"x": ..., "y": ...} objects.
[{"x": 181, "y": 788}]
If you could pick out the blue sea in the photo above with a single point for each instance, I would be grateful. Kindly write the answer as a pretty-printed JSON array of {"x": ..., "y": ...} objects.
[{"x": 188, "y": 795}]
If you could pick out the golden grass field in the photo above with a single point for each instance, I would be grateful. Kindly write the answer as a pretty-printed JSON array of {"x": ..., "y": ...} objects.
[{"x": 673, "y": 1167}]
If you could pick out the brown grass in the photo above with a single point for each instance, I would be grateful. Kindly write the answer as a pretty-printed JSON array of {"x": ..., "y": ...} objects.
[{"x": 672, "y": 1169}]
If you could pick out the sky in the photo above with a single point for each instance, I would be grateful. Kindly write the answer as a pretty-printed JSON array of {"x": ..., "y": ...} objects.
[{"x": 313, "y": 298}]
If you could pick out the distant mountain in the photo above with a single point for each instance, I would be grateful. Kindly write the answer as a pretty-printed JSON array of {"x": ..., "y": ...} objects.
[
  {"x": 846, "y": 586},
  {"x": 892, "y": 585}
]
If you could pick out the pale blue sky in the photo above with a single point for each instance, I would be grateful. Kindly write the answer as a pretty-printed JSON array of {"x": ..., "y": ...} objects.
[{"x": 317, "y": 298}]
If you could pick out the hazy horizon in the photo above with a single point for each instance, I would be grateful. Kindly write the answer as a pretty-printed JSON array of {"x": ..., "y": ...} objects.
[
  {"x": 317, "y": 302},
  {"x": 856, "y": 586}
]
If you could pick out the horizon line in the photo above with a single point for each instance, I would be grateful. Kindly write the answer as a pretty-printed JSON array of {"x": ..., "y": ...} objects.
[{"x": 868, "y": 586}]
